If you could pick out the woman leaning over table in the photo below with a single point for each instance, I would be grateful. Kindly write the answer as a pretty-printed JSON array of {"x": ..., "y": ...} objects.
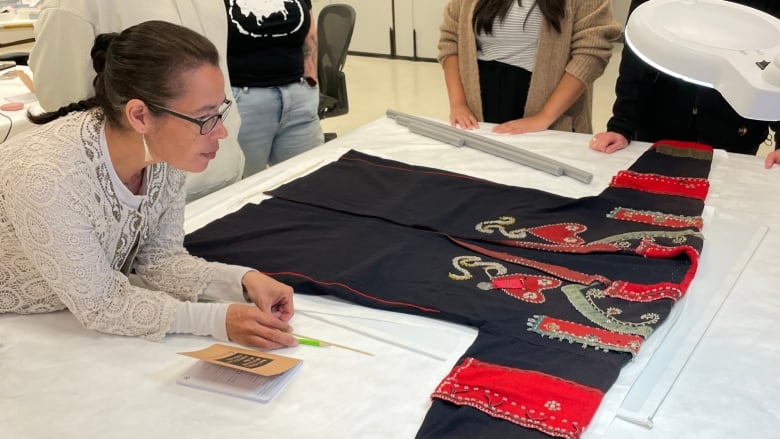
[
  {"x": 526, "y": 65},
  {"x": 92, "y": 201}
]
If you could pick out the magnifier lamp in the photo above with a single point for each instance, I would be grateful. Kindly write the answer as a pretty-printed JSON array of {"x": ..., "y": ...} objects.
[{"x": 730, "y": 47}]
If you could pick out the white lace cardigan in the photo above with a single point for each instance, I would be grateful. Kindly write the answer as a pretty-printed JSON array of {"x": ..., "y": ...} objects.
[{"x": 65, "y": 237}]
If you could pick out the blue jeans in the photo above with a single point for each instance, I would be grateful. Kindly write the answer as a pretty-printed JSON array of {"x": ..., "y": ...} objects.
[{"x": 277, "y": 123}]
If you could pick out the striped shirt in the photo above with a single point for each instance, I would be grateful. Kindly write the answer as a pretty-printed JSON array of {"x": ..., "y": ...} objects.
[{"x": 514, "y": 39}]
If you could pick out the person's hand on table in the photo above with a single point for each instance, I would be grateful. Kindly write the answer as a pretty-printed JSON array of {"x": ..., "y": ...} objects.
[
  {"x": 530, "y": 124},
  {"x": 608, "y": 142},
  {"x": 269, "y": 295},
  {"x": 249, "y": 326},
  {"x": 263, "y": 325},
  {"x": 461, "y": 116},
  {"x": 772, "y": 158}
]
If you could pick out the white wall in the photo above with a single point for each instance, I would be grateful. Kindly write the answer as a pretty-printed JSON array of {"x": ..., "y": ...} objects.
[
  {"x": 417, "y": 21},
  {"x": 374, "y": 21},
  {"x": 620, "y": 10},
  {"x": 416, "y": 25}
]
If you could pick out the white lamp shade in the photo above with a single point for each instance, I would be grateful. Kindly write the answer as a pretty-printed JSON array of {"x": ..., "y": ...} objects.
[{"x": 730, "y": 47}]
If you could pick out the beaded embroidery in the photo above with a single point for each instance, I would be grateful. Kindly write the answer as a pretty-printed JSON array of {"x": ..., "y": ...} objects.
[
  {"x": 655, "y": 218},
  {"x": 500, "y": 226},
  {"x": 644, "y": 293},
  {"x": 555, "y": 270},
  {"x": 661, "y": 184},
  {"x": 561, "y": 233},
  {"x": 526, "y": 287},
  {"x": 553, "y": 405},
  {"x": 524, "y": 397},
  {"x": 462, "y": 262},
  {"x": 588, "y": 336},
  {"x": 582, "y": 298},
  {"x": 565, "y": 236}
]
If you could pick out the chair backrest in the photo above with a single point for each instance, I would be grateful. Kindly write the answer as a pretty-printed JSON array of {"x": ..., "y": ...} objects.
[{"x": 335, "y": 25}]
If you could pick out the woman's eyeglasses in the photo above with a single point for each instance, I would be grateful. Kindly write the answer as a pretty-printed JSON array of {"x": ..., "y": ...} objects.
[{"x": 206, "y": 125}]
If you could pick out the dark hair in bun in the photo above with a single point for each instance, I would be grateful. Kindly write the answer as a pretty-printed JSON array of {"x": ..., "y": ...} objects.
[{"x": 99, "y": 51}]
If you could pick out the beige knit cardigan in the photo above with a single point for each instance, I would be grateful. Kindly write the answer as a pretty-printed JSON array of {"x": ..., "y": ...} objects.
[{"x": 582, "y": 48}]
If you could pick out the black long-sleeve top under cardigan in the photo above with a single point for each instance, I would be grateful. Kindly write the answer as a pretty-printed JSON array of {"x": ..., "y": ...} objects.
[{"x": 651, "y": 105}]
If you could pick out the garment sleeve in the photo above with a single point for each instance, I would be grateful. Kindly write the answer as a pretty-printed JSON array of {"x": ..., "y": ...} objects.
[
  {"x": 206, "y": 318},
  {"x": 201, "y": 319},
  {"x": 60, "y": 232},
  {"x": 60, "y": 59},
  {"x": 164, "y": 264},
  {"x": 448, "y": 31},
  {"x": 625, "y": 111},
  {"x": 593, "y": 31}
]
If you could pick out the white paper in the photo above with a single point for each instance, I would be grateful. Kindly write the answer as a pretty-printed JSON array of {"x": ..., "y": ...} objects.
[{"x": 221, "y": 379}]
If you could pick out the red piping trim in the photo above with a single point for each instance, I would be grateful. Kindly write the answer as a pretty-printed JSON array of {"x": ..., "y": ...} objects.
[
  {"x": 417, "y": 171},
  {"x": 352, "y": 290}
]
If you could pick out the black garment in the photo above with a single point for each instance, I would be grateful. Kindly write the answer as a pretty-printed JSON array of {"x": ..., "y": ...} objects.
[
  {"x": 651, "y": 105},
  {"x": 265, "y": 41},
  {"x": 504, "y": 90},
  {"x": 403, "y": 238}
]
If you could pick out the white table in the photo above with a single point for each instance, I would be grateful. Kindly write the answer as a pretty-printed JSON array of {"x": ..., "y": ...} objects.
[{"x": 59, "y": 379}]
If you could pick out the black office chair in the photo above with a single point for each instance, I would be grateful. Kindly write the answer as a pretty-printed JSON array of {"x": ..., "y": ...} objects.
[
  {"x": 335, "y": 25},
  {"x": 20, "y": 58}
]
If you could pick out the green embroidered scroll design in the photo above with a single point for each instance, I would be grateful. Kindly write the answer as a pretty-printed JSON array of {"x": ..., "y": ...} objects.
[{"x": 582, "y": 301}]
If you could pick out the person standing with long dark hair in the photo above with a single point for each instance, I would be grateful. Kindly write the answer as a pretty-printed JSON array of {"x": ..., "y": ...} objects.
[{"x": 528, "y": 65}]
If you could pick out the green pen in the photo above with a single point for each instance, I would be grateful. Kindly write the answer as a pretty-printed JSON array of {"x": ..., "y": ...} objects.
[
  {"x": 314, "y": 342},
  {"x": 308, "y": 341}
]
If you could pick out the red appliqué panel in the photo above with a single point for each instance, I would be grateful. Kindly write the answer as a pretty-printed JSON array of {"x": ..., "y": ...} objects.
[
  {"x": 587, "y": 335},
  {"x": 555, "y": 406},
  {"x": 564, "y": 234},
  {"x": 660, "y": 184},
  {"x": 525, "y": 286}
]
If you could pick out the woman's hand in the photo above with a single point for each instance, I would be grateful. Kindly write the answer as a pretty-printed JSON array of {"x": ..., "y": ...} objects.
[
  {"x": 565, "y": 94},
  {"x": 529, "y": 124},
  {"x": 608, "y": 142},
  {"x": 250, "y": 326},
  {"x": 270, "y": 295},
  {"x": 461, "y": 116},
  {"x": 772, "y": 158},
  {"x": 263, "y": 324}
]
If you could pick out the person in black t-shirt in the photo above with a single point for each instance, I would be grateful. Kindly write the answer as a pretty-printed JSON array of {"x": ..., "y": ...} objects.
[{"x": 272, "y": 62}]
